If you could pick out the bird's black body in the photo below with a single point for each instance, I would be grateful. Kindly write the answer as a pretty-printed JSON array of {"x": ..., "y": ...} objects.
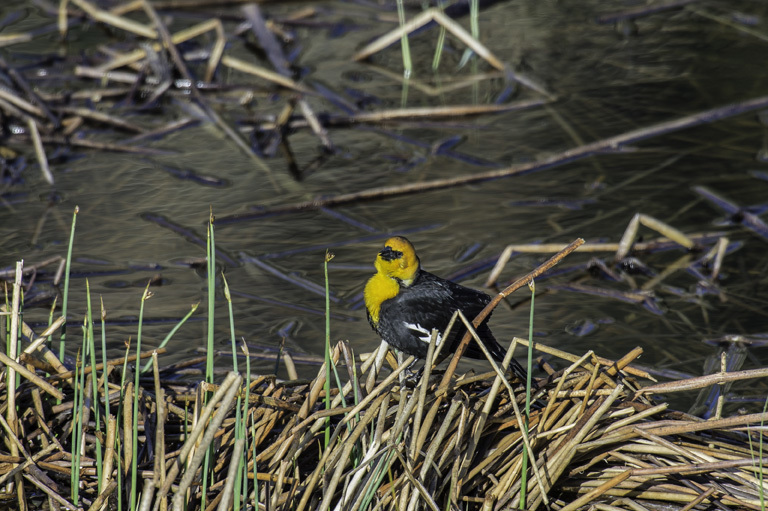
[
  {"x": 420, "y": 301},
  {"x": 429, "y": 303}
]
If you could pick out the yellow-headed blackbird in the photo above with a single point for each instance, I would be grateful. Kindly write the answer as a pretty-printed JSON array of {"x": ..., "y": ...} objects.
[{"x": 404, "y": 303}]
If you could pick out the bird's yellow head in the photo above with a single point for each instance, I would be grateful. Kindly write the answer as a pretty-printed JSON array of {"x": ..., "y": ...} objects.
[
  {"x": 398, "y": 260},
  {"x": 396, "y": 265}
]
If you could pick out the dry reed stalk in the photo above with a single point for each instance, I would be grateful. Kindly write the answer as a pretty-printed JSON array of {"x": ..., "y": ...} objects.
[
  {"x": 116, "y": 21},
  {"x": 704, "y": 381},
  {"x": 12, "y": 426},
  {"x": 573, "y": 358},
  {"x": 103, "y": 118},
  {"x": 263, "y": 73},
  {"x": 138, "y": 54},
  {"x": 226, "y": 395},
  {"x": 51, "y": 493},
  {"x": 160, "y": 468},
  {"x": 102, "y": 146},
  {"x": 165, "y": 38},
  {"x": 65, "y": 375},
  {"x": 383, "y": 116},
  {"x": 21, "y": 103},
  {"x": 315, "y": 125},
  {"x": 14, "y": 38},
  {"x": 31, "y": 376},
  {"x": 459, "y": 32},
  {"x": 127, "y": 428},
  {"x": 42, "y": 159}
]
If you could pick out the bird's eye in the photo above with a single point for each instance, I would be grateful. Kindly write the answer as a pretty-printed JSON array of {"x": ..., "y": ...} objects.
[{"x": 390, "y": 255}]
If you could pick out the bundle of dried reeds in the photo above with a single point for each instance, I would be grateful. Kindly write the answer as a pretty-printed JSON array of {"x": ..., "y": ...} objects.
[{"x": 436, "y": 442}]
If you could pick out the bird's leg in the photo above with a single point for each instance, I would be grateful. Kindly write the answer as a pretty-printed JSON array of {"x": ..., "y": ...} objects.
[
  {"x": 408, "y": 375},
  {"x": 403, "y": 376},
  {"x": 414, "y": 375}
]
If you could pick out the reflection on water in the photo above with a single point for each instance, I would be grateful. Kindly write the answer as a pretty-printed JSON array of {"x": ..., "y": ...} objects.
[{"x": 606, "y": 82}]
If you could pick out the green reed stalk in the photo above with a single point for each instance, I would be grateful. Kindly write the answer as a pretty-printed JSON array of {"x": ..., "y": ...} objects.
[
  {"x": 529, "y": 367},
  {"x": 91, "y": 347},
  {"x": 119, "y": 415},
  {"x": 245, "y": 428},
  {"x": 107, "y": 411},
  {"x": 135, "y": 433},
  {"x": 255, "y": 480},
  {"x": 104, "y": 354},
  {"x": 759, "y": 461},
  {"x": 80, "y": 409},
  {"x": 474, "y": 24},
  {"x": 240, "y": 428},
  {"x": 382, "y": 469},
  {"x": 231, "y": 322},
  {"x": 8, "y": 319},
  {"x": 172, "y": 333},
  {"x": 440, "y": 43},
  {"x": 761, "y": 472},
  {"x": 65, "y": 294},
  {"x": 328, "y": 257},
  {"x": 76, "y": 431},
  {"x": 238, "y": 436},
  {"x": 211, "y": 276},
  {"x": 406, "y": 49},
  {"x": 528, "y": 384}
]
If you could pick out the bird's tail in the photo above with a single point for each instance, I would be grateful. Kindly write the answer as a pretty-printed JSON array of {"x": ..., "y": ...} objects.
[
  {"x": 518, "y": 370},
  {"x": 498, "y": 353}
]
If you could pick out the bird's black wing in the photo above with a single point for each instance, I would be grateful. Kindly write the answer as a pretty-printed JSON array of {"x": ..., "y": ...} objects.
[
  {"x": 429, "y": 302},
  {"x": 471, "y": 302},
  {"x": 406, "y": 321}
]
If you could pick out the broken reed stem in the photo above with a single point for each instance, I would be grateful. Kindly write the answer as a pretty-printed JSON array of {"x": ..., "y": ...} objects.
[
  {"x": 704, "y": 381},
  {"x": 11, "y": 425},
  {"x": 573, "y": 358},
  {"x": 29, "y": 375},
  {"x": 42, "y": 159},
  {"x": 421, "y": 20},
  {"x": 227, "y": 393},
  {"x": 189, "y": 445}
]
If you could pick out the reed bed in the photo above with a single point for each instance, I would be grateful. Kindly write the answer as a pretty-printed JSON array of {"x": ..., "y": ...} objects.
[{"x": 383, "y": 440}]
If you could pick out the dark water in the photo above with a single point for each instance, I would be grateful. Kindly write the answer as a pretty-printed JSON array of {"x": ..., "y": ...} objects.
[{"x": 607, "y": 80}]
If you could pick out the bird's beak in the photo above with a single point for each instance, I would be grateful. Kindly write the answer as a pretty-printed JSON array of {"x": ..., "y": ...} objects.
[{"x": 390, "y": 255}]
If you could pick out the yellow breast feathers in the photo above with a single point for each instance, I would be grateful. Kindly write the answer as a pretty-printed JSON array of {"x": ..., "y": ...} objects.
[{"x": 378, "y": 289}]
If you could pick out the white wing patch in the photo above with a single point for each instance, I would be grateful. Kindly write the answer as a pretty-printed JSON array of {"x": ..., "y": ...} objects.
[{"x": 426, "y": 334}]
